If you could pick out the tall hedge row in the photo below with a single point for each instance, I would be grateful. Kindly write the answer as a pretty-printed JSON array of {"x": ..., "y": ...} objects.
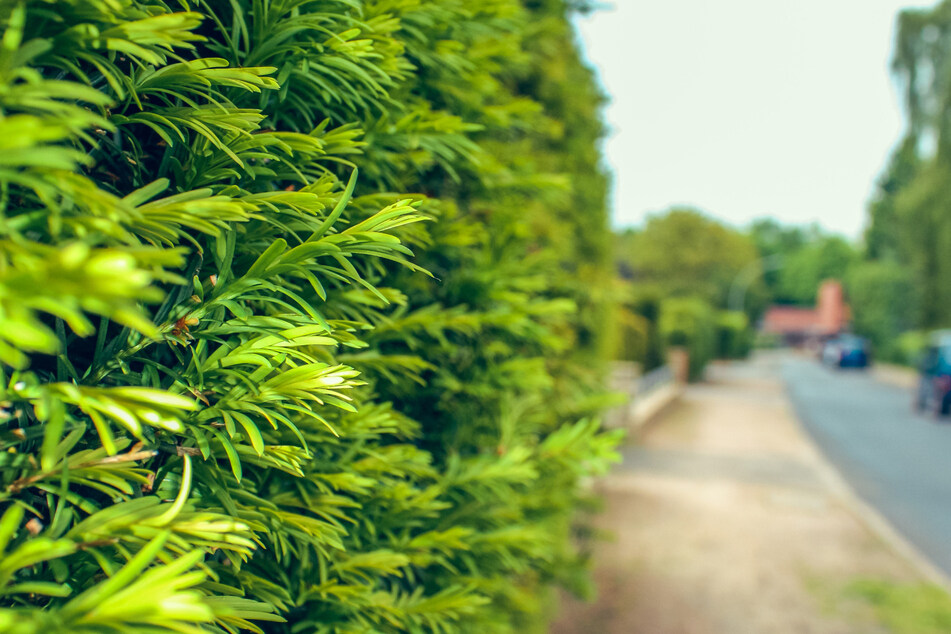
[{"x": 301, "y": 310}]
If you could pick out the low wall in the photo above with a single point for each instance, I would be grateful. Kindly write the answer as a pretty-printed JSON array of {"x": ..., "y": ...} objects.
[
  {"x": 644, "y": 409},
  {"x": 648, "y": 395}
]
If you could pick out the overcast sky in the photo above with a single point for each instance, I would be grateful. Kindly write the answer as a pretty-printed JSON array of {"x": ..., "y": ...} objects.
[{"x": 747, "y": 108}]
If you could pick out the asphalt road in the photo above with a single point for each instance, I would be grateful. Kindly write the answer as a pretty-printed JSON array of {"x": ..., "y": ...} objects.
[{"x": 899, "y": 462}]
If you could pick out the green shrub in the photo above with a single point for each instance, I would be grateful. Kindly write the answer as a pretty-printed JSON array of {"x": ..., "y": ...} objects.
[
  {"x": 909, "y": 346},
  {"x": 884, "y": 304},
  {"x": 300, "y": 305},
  {"x": 635, "y": 336},
  {"x": 641, "y": 340},
  {"x": 734, "y": 338},
  {"x": 690, "y": 322}
]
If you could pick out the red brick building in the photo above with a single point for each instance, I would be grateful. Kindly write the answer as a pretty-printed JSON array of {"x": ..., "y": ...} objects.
[{"x": 798, "y": 326}]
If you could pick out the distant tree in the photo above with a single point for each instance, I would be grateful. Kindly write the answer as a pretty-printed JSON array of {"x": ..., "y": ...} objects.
[
  {"x": 884, "y": 233},
  {"x": 687, "y": 253},
  {"x": 829, "y": 257},
  {"x": 910, "y": 221},
  {"x": 884, "y": 302},
  {"x": 775, "y": 240},
  {"x": 922, "y": 66},
  {"x": 924, "y": 231}
]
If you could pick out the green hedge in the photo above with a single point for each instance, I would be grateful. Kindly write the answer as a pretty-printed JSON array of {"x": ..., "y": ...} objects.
[
  {"x": 641, "y": 339},
  {"x": 690, "y": 322},
  {"x": 734, "y": 338},
  {"x": 909, "y": 347},
  {"x": 884, "y": 303},
  {"x": 301, "y": 314}
]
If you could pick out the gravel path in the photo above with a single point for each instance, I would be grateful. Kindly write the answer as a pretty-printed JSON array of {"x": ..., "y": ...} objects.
[{"x": 724, "y": 523}]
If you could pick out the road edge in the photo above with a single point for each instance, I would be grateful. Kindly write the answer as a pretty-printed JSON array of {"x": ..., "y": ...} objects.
[
  {"x": 867, "y": 514},
  {"x": 877, "y": 523}
]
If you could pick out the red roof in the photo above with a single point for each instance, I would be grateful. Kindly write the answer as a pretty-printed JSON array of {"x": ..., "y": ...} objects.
[
  {"x": 787, "y": 320},
  {"x": 831, "y": 315}
]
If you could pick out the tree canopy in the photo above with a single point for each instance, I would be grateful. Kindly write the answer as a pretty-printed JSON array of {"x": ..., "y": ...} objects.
[
  {"x": 687, "y": 254},
  {"x": 909, "y": 222}
]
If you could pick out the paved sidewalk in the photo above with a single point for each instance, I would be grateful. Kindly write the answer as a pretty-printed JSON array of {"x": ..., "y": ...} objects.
[{"x": 725, "y": 522}]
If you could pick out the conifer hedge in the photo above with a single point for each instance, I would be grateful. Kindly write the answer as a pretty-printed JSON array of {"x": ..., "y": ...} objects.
[{"x": 301, "y": 310}]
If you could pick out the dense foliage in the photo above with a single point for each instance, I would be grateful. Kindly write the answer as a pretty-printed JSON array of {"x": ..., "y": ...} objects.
[
  {"x": 690, "y": 323},
  {"x": 684, "y": 252},
  {"x": 683, "y": 271},
  {"x": 799, "y": 258},
  {"x": 301, "y": 304},
  {"x": 910, "y": 225}
]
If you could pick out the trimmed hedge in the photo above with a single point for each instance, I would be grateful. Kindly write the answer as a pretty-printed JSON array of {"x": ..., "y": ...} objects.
[
  {"x": 641, "y": 340},
  {"x": 302, "y": 304},
  {"x": 690, "y": 322},
  {"x": 734, "y": 337}
]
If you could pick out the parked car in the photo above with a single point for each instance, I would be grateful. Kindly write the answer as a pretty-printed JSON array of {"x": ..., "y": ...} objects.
[
  {"x": 847, "y": 351},
  {"x": 934, "y": 375}
]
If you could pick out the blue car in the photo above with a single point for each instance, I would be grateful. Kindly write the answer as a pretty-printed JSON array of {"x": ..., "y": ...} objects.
[
  {"x": 847, "y": 351},
  {"x": 934, "y": 375}
]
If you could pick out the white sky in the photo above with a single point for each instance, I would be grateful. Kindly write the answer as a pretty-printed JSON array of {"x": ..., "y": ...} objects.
[{"x": 747, "y": 108}]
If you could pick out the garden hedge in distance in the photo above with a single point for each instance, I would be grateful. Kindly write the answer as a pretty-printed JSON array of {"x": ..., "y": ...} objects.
[{"x": 302, "y": 304}]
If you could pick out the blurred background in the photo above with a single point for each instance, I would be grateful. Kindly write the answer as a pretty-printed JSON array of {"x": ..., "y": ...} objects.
[
  {"x": 765, "y": 149},
  {"x": 782, "y": 216}
]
